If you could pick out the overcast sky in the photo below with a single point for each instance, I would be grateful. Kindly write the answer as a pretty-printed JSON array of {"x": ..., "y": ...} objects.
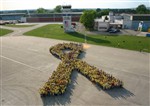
[{"x": 50, "y": 4}]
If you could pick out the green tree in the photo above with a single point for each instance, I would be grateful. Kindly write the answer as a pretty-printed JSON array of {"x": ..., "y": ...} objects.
[
  {"x": 141, "y": 9},
  {"x": 41, "y": 10},
  {"x": 102, "y": 12},
  {"x": 105, "y": 12},
  {"x": 58, "y": 8},
  {"x": 98, "y": 10},
  {"x": 87, "y": 18}
]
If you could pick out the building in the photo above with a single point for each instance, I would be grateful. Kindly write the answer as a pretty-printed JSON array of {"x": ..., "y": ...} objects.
[
  {"x": 139, "y": 22},
  {"x": 132, "y": 21},
  {"x": 11, "y": 16},
  {"x": 67, "y": 20},
  {"x": 107, "y": 21},
  {"x": 52, "y": 17},
  {"x": 101, "y": 25},
  {"x": 33, "y": 17}
]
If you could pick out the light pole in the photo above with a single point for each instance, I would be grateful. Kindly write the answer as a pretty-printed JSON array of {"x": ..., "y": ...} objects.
[{"x": 85, "y": 40}]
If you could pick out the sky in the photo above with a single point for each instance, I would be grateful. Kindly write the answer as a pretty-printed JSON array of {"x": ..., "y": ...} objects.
[{"x": 50, "y": 4}]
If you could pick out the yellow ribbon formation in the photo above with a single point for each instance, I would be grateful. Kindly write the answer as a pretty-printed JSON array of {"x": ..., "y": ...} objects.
[{"x": 60, "y": 78}]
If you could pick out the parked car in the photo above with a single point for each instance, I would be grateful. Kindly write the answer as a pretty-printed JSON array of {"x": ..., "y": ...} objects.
[
  {"x": 2, "y": 22},
  {"x": 148, "y": 35},
  {"x": 113, "y": 30},
  {"x": 19, "y": 21},
  {"x": 7, "y": 22}
]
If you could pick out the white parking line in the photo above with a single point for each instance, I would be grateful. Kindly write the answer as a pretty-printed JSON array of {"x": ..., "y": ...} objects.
[{"x": 19, "y": 62}]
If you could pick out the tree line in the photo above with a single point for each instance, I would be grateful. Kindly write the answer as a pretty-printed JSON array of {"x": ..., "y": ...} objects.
[
  {"x": 141, "y": 9},
  {"x": 57, "y": 9}
]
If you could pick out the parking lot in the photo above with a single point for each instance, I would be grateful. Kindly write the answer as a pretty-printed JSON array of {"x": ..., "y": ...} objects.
[
  {"x": 26, "y": 65},
  {"x": 80, "y": 28}
]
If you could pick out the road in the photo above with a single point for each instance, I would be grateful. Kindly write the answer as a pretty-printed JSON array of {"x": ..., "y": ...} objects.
[{"x": 26, "y": 65}]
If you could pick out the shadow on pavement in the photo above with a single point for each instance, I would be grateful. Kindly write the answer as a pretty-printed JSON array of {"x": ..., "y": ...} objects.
[
  {"x": 116, "y": 92},
  {"x": 63, "y": 99},
  {"x": 81, "y": 55},
  {"x": 82, "y": 36},
  {"x": 119, "y": 93}
]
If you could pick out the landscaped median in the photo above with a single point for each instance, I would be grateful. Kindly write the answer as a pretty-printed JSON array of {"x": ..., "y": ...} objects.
[
  {"x": 60, "y": 78},
  {"x": 4, "y": 31},
  {"x": 55, "y": 31}
]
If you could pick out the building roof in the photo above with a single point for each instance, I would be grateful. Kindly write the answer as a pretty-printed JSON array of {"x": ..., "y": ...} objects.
[
  {"x": 136, "y": 14},
  {"x": 13, "y": 14},
  {"x": 39, "y": 14},
  {"x": 100, "y": 20}
]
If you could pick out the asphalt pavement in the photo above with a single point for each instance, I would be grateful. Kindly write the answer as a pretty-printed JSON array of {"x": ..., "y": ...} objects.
[{"x": 26, "y": 65}]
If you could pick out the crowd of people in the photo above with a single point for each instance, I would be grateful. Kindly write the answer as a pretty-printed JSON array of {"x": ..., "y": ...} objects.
[
  {"x": 106, "y": 81},
  {"x": 60, "y": 78}
]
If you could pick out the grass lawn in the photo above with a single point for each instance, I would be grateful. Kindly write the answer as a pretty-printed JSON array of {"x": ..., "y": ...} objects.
[
  {"x": 55, "y": 31},
  {"x": 4, "y": 31},
  {"x": 18, "y": 26}
]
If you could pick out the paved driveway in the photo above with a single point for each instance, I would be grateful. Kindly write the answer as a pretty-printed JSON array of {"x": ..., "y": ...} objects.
[
  {"x": 20, "y": 31},
  {"x": 26, "y": 65}
]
